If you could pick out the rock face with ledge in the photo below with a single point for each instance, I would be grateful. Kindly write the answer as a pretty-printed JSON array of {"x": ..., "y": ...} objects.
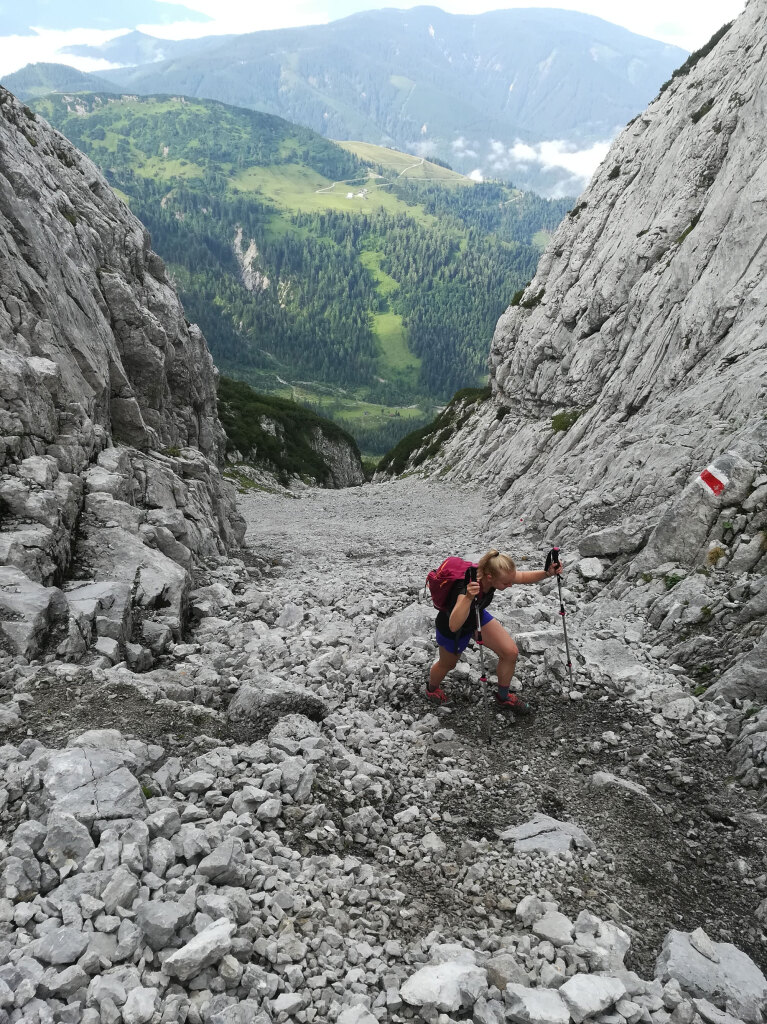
[
  {"x": 109, "y": 434},
  {"x": 635, "y": 360},
  {"x": 646, "y": 316}
]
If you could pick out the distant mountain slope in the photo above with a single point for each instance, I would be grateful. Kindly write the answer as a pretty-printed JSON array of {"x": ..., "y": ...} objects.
[
  {"x": 139, "y": 48},
  {"x": 465, "y": 89},
  {"x": 42, "y": 79},
  {"x": 301, "y": 264}
]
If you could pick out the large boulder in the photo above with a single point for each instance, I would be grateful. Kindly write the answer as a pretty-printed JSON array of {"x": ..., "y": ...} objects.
[
  {"x": 546, "y": 834},
  {"x": 746, "y": 678},
  {"x": 415, "y": 620},
  {"x": 612, "y": 540},
  {"x": 717, "y": 971},
  {"x": 588, "y": 995},
  {"x": 258, "y": 705},
  {"x": 208, "y": 947},
  {"x": 28, "y": 612},
  {"x": 535, "y": 1005},
  {"x": 682, "y": 532},
  {"x": 88, "y": 783},
  {"x": 449, "y": 986}
]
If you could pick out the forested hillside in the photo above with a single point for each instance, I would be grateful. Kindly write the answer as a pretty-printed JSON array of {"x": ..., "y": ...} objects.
[{"x": 385, "y": 287}]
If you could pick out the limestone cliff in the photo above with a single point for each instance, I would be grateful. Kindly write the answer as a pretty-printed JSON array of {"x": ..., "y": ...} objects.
[
  {"x": 109, "y": 436},
  {"x": 636, "y": 358}
]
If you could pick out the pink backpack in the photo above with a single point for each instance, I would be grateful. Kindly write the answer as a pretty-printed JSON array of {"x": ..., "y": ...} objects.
[{"x": 440, "y": 581}]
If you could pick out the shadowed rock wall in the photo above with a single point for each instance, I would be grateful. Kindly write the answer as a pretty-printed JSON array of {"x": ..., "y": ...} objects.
[{"x": 109, "y": 435}]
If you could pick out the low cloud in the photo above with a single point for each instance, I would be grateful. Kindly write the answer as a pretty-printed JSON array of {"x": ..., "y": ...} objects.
[
  {"x": 231, "y": 17},
  {"x": 461, "y": 147},
  {"x": 46, "y": 45},
  {"x": 549, "y": 155},
  {"x": 566, "y": 167}
]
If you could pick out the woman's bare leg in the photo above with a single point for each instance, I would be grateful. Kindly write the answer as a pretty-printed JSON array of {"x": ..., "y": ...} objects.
[
  {"x": 501, "y": 643},
  {"x": 444, "y": 663}
]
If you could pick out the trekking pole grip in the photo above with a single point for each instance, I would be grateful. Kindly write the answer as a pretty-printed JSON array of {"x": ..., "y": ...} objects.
[{"x": 552, "y": 558}]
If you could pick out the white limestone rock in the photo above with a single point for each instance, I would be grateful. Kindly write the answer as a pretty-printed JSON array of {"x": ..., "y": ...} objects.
[
  {"x": 291, "y": 615},
  {"x": 140, "y": 1005},
  {"x": 590, "y": 568},
  {"x": 228, "y": 864},
  {"x": 605, "y": 942},
  {"x": 269, "y": 698},
  {"x": 415, "y": 620},
  {"x": 535, "y": 1005},
  {"x": 721, "y": 974},
  {"x": 67, "y": 841},
  {"x": 95, "y": 356},
  {"x": 546, "y": 834},
  {"x": 529, "y": 909},
  {"x": 606, "y": 780},
  {"x": 205, "y": 949},
  {"x": 89, "y": 783},
  {"x": 554, "y": 927},
  {"x": 746, "y": 678},
  {"x": 587, "y": 995},
  {"x": 450, "y": 985},
  {"x": 504, "y": 969},
  {"x": 356, "y": 1015},
  {"x": 161, "y": 920},
  {"x": 62, "y": 946},
  {"x": 28, "y": 611}
]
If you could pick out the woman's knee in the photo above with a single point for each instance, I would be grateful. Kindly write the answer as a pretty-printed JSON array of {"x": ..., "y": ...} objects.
[{"x": 508, "y": 651}]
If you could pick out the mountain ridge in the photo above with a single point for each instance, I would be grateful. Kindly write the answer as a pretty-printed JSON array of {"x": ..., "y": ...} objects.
[{"x": 419, "y": 80}]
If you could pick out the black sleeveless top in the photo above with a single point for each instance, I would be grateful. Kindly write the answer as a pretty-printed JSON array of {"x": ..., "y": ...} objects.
[{"x": 470, "y": 625}]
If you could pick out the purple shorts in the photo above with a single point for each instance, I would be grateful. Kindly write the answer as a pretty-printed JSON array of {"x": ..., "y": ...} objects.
[{"x": 462, "y": 642}]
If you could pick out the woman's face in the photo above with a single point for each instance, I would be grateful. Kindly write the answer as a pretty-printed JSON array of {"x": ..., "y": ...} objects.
[{"x": 503, "y": 580}]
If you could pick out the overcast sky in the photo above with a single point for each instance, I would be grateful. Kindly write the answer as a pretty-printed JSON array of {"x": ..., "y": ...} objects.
[{"x": 687, "y": 23}]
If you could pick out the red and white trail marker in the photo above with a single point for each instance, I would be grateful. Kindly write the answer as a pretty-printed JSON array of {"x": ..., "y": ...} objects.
[{"x": 713, "y": 480}]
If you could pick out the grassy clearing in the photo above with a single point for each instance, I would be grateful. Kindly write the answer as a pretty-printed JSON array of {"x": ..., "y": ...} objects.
[
  {"x": 375, "y": 426},
  {"x": 297, "y": 188},
  {"x": 396, "y": 357},
  {"x": 350, "y": 406},
  {"x": 405, "y": 164},
  {"x": 161, "y": 169},
  {"x": 541, "y": 239},
  {"x": 371, "y": 260}
]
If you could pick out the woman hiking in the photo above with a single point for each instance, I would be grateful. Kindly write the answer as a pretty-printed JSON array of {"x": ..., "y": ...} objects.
[{"x": 457, "y": 624}]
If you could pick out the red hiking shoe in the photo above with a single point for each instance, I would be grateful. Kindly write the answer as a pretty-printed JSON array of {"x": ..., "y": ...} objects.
[
  {"x": 437, "y": 694},
  {"x": 514, "y": 703}
]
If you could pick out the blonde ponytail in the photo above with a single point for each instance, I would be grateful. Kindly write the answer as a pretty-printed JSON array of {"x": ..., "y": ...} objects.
[{"x": 493, "y": 564}]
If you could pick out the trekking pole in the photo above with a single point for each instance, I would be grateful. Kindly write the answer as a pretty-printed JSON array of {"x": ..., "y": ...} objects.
[
  {"x": 471, "y": 577},
  {"x": 483, "y": 677},
  {"x": 553, "y": 559}
]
